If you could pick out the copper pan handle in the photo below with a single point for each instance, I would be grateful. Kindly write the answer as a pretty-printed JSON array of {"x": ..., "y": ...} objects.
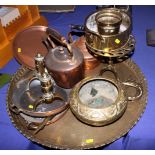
[{"x": 73, "y": 27}]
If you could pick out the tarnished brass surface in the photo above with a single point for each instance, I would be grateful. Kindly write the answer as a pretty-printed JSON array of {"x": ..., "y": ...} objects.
[
  {"x": 103, "y": 38},
  {"x": 108, "y": 22},
  {"x": 69, "y": 132},
  {"x": 94, "y": 112},
  {"x": 30, "y": 99},
  {"x": 37, "y": 101}
]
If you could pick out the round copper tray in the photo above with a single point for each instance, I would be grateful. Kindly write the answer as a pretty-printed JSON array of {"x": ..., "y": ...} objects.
[
  {"x": 70, "y": 133},
  {"x": 28, "y": 43}
]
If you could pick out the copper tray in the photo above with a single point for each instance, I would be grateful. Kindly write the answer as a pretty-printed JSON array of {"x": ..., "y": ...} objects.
[
  {"x": 28, "y": 43},
  {"x": 70, "y": 133}
]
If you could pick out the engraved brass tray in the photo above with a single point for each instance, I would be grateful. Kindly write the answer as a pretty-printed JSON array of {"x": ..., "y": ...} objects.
[{"x": 70, "y": 133}]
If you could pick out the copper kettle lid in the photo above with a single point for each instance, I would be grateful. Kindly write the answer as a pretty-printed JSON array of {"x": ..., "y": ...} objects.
[{"x": 61, "y": 54}]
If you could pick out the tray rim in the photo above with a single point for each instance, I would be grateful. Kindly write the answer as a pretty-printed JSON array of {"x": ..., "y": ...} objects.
[{"x": 133, "y": 66}]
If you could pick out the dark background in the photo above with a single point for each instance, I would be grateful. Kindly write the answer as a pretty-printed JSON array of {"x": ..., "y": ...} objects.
[{"x": 142, "y": 136}]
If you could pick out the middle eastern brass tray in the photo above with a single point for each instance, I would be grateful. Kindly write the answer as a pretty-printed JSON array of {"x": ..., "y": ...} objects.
[{"x": 73, "y": 131}]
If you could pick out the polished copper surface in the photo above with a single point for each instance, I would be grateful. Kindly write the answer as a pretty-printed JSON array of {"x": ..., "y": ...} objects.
[
  {"x": 90, "y": 62},
  {"x": 70, "y": 133},
  {"x": 65, "y": 69},
  {"x": 28, "y": 43}
]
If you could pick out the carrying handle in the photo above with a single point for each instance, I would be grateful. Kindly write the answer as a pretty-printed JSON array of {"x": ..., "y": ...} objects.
[
  {"x": 56, "y": 36},
  {"x": 70, "y": 37},
  {"x": 135, "y": 85},
  {"x": 39, "y": 101},
  {"x": 53, "y": 35},
  {"x": 79, "y": 32},
  {"x": 47, "y": 44},
  {"x": 30, "y": 81},
  {"x": 124, "y": 8},
  {"x": 77, "y": 27},
  {"x": 139, "y": 91},
  {"x": 73, "y": 33},
  {"x": 112, "y": 69},
  {"x": 39, "y": 126},
  {"x": 59, "y": 38}
]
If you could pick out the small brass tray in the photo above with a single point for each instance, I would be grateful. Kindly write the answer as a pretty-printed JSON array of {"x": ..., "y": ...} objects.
[{"x": 70, "y": 133}]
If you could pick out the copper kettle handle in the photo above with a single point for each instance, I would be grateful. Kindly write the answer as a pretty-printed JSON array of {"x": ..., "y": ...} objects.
[
  {"x": 70, "y": 38},
  {"x": 79, "y": 28},
  {"x": 53, "y": 34}
]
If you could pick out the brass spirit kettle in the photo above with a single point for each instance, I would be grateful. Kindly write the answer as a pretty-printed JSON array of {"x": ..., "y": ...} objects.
[{"x": 108, "y": 34}]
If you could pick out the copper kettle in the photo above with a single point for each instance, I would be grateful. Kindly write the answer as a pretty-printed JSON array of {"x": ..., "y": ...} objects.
[{"x": 65, "y": 63}]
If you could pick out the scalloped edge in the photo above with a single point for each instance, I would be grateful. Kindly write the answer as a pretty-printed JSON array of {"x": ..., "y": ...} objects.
[{"x": 130, "y": 63}]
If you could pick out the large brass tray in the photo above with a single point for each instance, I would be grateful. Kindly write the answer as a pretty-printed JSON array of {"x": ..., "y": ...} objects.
[{"x": 70, "y": 133}]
